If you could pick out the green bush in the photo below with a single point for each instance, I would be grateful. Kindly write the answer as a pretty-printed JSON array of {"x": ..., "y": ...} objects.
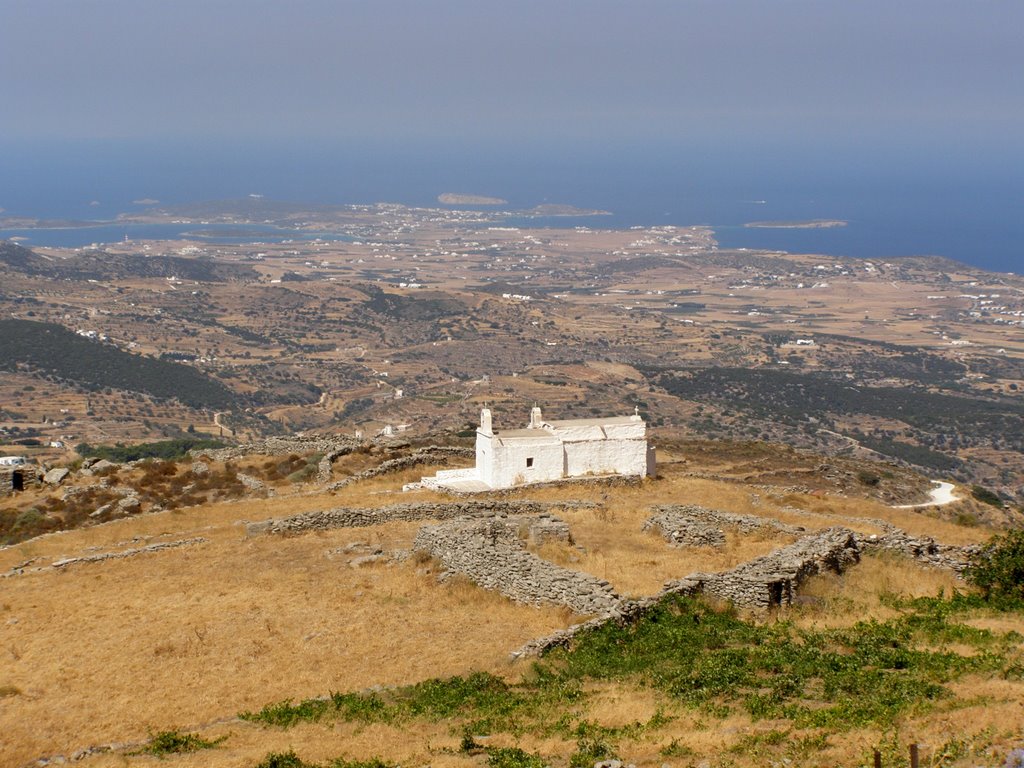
[
  {"x": 998, "y": 569},
  {"x": 283, "y": 760},
  {"x": 174, "y": 742},
  {"x": 512, "y": 757},
  {"x": 168, "y": 450},
  {"x": 984, "y": 495}
]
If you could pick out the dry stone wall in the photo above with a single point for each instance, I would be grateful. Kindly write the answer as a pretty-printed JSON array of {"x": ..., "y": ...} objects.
[
  {"x": 773, "y": 579},
  {"x": 924, "y": 549},
  {"x": 430, "y": 455},
  {"x": 689, "y": 514},
  {"x": 491, "y": 552},
  {"x": 19, "y": 477},
  {"x": 680, "y": 530},
  {"x": 354, "y": 517},
  {"x": 23, "y": 568},
  {"x": 279, "y": 446}
]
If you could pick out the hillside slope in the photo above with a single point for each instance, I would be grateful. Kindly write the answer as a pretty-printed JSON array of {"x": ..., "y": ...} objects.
[{"x": 53, "y": 350}]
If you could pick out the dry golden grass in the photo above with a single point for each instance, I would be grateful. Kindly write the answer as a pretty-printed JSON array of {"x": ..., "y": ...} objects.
[
  {"x": 838, "y": 600},
  {"x": 113, "y": 651},
  {"x": 109, "y": 651}
]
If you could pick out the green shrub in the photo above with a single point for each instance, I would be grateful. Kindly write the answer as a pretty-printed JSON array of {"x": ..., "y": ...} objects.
[
  {"x": 291, "y": 760},
  {"x": 589, "y": 751},
  {"x": 512, "y": 757},
  {"x": 168, "y": 450},
  {"x": 984, "y": 495},
  {"x": 283, "y": 760},
  {"x": 998, "y": 569},
  {"x": 174, "y": 742}
]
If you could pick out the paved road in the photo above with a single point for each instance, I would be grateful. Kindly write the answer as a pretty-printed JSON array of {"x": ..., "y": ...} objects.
[{"x": 941, "y": 494}]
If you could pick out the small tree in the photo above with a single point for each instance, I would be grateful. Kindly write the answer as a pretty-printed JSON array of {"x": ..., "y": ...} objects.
[{"x": 998, "y": 568}]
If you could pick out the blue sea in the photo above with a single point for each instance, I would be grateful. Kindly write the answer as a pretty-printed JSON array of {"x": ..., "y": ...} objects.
[{"x": 964, "y": 202}]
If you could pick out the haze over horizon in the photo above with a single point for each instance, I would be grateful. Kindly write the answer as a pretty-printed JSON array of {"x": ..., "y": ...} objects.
[{"x": 906, "y": 74}]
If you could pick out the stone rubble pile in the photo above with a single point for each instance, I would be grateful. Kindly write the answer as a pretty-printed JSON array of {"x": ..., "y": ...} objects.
[
  {"x": 492, "y": 552},
  {"x": 252, "y": 483}
]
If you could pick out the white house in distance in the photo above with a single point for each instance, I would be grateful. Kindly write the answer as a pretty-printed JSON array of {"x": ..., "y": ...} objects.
[{"x": 552, "y": 450}]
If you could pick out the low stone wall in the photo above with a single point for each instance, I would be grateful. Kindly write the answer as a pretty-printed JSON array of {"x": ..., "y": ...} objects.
[
  {"x": 354, "y": 517},
  {"x": 691, "y": 513},
  {"x": 773, "y": 580},
  {"x": 279, "y": 446},
  {"x": 924, "y": 549},
  {"x": 492, "y": 553},
  {"x": 680, "y": 530},
  {"x": 323, "y": 469},
  {"x": 100, "y": 557},
  {"x": 434, "y": 454}
]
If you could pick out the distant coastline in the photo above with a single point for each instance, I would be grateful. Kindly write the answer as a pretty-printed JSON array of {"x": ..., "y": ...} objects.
[
  {"x": 457, "y": 198},
  {"x": 809, "y": 224}
]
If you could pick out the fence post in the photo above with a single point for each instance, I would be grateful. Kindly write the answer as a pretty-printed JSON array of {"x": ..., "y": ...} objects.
[
  {"x": 914, "y": 762},
  {"x": 878, "y": 759}
]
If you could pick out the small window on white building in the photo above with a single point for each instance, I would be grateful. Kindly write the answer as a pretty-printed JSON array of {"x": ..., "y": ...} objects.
[{"x": 529, "y": 462}]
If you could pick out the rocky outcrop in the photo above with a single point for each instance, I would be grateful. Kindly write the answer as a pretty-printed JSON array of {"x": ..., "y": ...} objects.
[
  {"x": 492, "y": 552},
  {"x": 252, "y": 483},
  {"x": 56, "y": 475}
]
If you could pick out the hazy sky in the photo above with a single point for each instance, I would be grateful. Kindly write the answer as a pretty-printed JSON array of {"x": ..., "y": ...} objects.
[{"x": 477, "y": 69}]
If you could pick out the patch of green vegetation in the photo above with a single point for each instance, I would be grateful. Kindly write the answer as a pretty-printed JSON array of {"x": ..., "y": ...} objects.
[
  {"x": 283, "y": 760},
  {"x": 168, "y": 450},
  {"x": 675, "y": 749},
  {"x": 479, "y": 694},
  {"x": 705, "y": 658},
  {"x": 790, "y": 398},
  {"x": 174, "y": 742},
  {"x": 512, "y": 757},
  {"x": 998, "y": 569},
  {"x": 986, "y": 496},
  {"x": 589, "y": 751},
  {"x": 291, "y": 760}
]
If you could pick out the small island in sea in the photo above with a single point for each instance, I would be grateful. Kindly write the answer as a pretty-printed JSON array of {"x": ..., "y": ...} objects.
[
  {"x": 456, "y": 198},
  {"x": 809, "y": 224}
]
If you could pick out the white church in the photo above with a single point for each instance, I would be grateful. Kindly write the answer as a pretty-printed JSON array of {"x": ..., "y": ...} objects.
[{"x": 552, "y": 450}]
